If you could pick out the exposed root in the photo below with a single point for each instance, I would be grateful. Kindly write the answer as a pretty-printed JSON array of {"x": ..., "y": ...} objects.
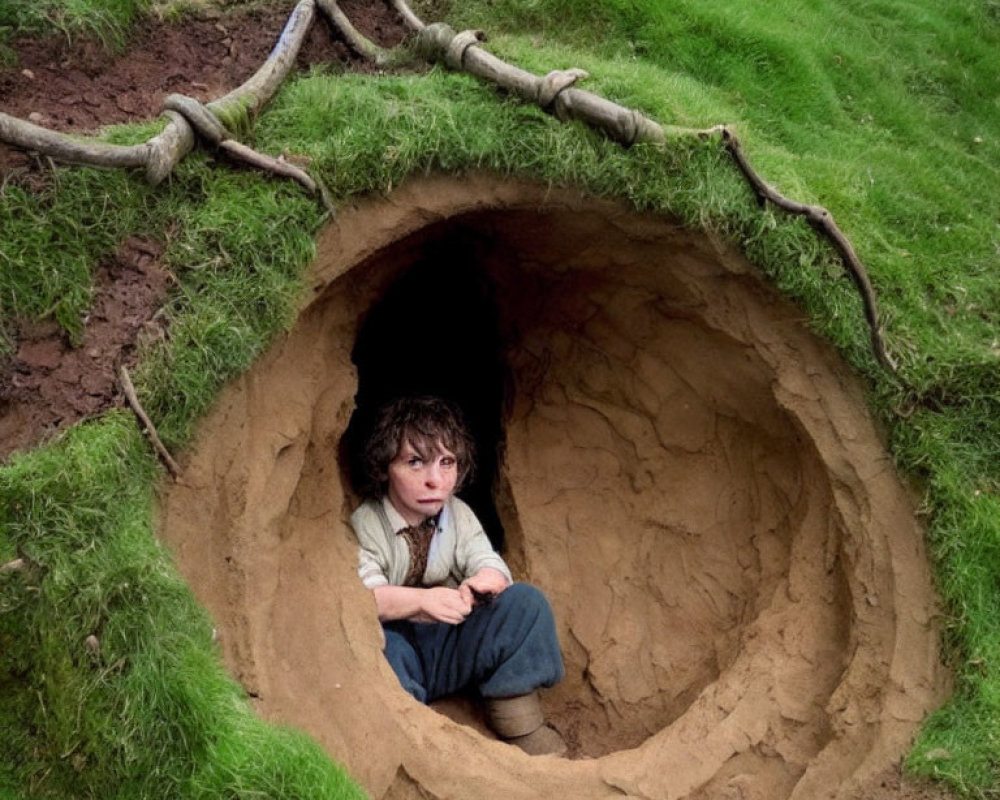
[
  {"x": 412, "y": 20},
  {"x": 164, "y": 151},
  {"x": 12, "y": 566},
  {"x": 357, "y": 41},
  {"x": 822, "y": 220},
  {"x": 212, "y": 130},
  {"x": 555, "y": 92}
]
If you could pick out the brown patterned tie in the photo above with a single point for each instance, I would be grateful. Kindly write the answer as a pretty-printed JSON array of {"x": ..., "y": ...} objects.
[{"x": 418, "y": 540}]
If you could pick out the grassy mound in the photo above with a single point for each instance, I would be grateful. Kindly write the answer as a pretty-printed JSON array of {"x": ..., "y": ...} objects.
[{"x": 885, "y": 113}]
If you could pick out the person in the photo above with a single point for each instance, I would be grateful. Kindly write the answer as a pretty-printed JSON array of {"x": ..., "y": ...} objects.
[{"x": 453, "y": 617}]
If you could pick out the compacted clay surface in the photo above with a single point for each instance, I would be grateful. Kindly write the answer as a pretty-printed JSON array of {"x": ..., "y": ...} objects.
[{"x": 738, "y": 578}]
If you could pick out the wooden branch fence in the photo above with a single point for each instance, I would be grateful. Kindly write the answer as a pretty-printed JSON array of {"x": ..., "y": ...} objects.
[{"x": 216, "y": 122}]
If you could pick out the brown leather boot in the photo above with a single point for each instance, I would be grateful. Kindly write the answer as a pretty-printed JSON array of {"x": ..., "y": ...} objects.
[{"x": 519, "y": 720}]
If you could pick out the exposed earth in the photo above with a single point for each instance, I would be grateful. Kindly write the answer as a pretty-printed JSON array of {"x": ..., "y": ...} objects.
[{"x": 739, "y": 578}]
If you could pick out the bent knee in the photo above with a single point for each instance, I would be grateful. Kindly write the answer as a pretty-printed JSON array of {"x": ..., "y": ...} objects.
[{"x": 524, "y": 595}]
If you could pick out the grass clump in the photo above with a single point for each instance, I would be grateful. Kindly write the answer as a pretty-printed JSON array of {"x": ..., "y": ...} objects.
[
  {"x": 103, "y": 638},
  {"x": 105, "y": 20}
]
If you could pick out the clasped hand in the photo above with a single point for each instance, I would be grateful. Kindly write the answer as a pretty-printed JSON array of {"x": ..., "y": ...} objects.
[{"x": 442, "y": 604}]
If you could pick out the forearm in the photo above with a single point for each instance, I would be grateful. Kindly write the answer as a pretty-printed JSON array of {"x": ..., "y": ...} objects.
[
  {"x": 398, "y": 602},
  {"x": 436, "y": 604},
  {"x": 488, "y": 579}
]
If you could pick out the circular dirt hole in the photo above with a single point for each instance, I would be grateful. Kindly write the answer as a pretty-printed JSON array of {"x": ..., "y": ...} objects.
[{"x": 737, "y": 574}]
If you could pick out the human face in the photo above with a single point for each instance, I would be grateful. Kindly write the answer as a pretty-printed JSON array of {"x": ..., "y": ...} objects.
[{"x": 419, "y": 485}]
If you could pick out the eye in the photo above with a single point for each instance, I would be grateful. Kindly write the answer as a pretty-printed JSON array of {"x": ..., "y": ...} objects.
[
  {"x": 447, "y": 461},
  {"x": 414, "y": 461}
]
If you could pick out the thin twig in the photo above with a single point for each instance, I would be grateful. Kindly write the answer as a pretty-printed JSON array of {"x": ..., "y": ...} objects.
[
  {"x": 133, "y": 401},
  {"x": 278, "y": 167}
]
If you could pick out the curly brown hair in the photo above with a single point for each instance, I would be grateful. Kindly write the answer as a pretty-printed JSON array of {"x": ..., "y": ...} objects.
[{"x": 428, "y": 424}]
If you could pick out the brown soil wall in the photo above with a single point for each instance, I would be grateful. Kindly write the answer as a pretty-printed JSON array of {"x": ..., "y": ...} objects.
[{"x": 737, "y": 573}]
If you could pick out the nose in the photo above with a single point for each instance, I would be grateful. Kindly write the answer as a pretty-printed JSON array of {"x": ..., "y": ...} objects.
[{"x": 433, "y": 476}]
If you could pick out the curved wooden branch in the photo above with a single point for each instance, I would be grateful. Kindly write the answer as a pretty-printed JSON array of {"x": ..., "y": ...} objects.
[
  {"x": 822, "y": 221},
  {"x": 168, "y": 148},
  {"x": 164, "y": 151},
  {"x": 357, "y": 41},
  {"x": 198, "y": 116},
  {"x": 235, "y": 109},
  {"x": 413, "y": 22},
  {"x": 243, "y": 103},
  {"x": 159, "y": 155},
  {"x": 70, "y": 149}
]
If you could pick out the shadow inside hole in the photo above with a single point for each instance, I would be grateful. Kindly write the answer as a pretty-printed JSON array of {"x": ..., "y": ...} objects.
[{"x": 435, "y": 332}]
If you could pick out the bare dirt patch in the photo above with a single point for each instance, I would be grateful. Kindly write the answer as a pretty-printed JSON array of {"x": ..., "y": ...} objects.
[
  {"x": 48, "y": 385},
  {"x": 79, "y": 85},
  {"x": 739, "y": 580}
]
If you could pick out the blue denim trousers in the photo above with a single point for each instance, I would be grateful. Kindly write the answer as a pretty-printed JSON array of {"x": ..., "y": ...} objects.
[{"x": 506, "y": 648}]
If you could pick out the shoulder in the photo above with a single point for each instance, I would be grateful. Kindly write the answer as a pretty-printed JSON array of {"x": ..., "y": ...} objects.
[
  {"x": 464, "y": 519},
  {"x": 462, "y": 513},
  {"x": 367, "y": 517}
]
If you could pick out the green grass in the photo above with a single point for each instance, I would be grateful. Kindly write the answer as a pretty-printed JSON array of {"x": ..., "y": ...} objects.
[
  {"x": 886, "y": 113},
  {"x": 147, "y": 711},
  {"x": 107, "y": 20}
]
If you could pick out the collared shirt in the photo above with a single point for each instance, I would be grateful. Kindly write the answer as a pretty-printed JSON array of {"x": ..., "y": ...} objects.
[{"x": 459, "y": 549}]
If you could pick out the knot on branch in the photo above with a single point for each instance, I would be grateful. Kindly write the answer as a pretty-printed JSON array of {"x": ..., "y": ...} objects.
[
  {"x": 208, "y": 126},
  {"x": 439, "y": 42},
  {"x": 707, "y": 133},
  {"x": 433, "y": 40},
  {"x": 454, "y": 56},
  {"x": 628, "y": 126},
  {"x": 554, "y": 83}
]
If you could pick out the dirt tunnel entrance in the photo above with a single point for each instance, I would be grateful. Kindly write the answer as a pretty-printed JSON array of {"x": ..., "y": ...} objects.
[{"x": 737, "y": 573}]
